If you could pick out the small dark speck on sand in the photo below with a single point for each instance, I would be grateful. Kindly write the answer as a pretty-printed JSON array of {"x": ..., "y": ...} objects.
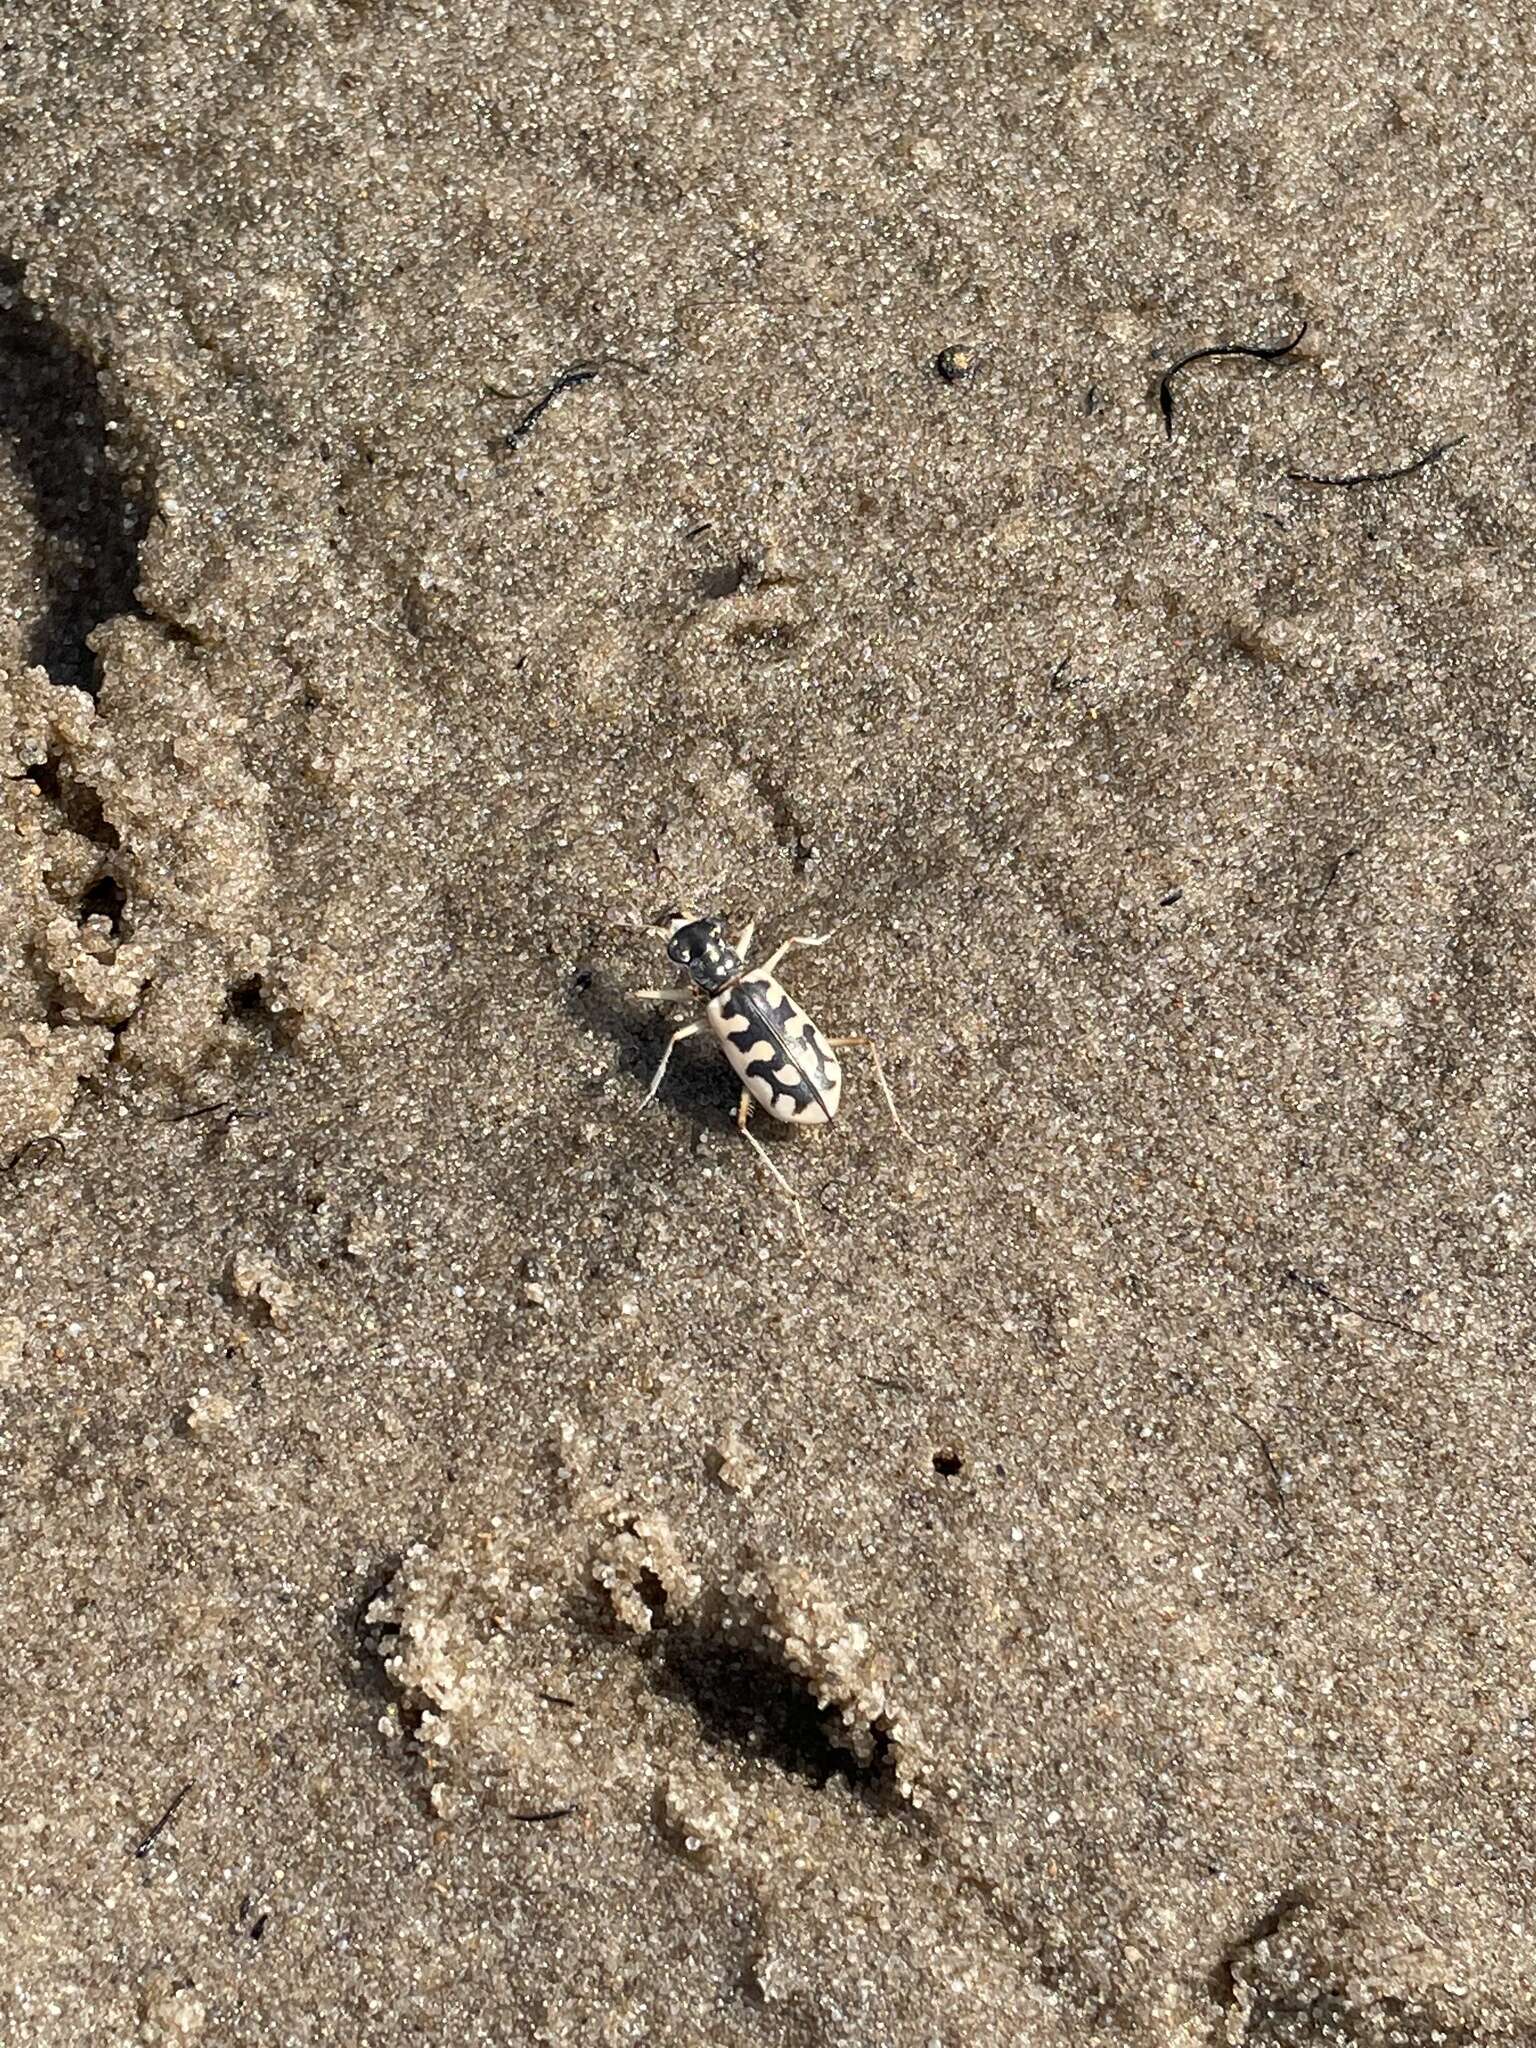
[{"x": 955, "y": 364}]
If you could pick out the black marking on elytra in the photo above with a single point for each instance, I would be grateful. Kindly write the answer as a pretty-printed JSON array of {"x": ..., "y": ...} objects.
[{"x": 795, "y": 1040}]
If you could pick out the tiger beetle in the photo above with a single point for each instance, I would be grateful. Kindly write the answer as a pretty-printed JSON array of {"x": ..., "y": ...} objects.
[{"x": 784, "y": 1063}]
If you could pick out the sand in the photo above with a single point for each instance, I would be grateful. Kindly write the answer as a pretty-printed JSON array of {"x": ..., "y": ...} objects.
[{"x": 476, "y": 1568}]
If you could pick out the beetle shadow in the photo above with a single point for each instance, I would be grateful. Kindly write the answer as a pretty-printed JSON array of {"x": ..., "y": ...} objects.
[{"x": 698, "y": 1082}]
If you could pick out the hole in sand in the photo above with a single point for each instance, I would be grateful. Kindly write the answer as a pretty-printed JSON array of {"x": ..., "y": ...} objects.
[
  {"x": 247, "y": 1006},
  {"x": 105, "y": 898},
  {"x": 75, "y": 801},
  {"x": 90, "y": 527},
  {"x": 745, "y": 1699},
  {"x": 653, "y": 1594},
  {"x": 727, "y": 579}
]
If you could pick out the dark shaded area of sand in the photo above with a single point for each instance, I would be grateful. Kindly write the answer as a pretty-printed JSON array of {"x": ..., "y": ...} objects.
[{"x": 1086, "y": 1593}]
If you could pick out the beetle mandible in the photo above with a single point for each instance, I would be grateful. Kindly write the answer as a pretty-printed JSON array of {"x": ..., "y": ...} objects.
[{"x": 785, "y": 1065}]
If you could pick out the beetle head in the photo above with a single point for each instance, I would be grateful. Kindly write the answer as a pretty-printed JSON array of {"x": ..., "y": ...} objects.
[{"x": 699, "y": 946}]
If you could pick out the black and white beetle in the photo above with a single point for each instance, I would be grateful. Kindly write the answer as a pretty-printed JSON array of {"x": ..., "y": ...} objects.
[{"x": 784, "y": 1063}]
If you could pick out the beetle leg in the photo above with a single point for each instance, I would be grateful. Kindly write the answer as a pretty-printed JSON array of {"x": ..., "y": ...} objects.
[
  {"x": 744, "y": 1109},
  {"x": 662, "y": 995},
  {"x": 743, "y": 938},
  {"x": 800, "y": 939},
  {"x": 686, "y": 1031},
  {"x": 868, "y": 1045}
]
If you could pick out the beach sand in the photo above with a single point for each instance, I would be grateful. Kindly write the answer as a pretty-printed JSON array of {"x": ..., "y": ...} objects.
[{"x": 478, "y": 1567}]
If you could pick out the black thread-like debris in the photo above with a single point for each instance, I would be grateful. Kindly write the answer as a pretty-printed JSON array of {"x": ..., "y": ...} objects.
[
  {"x": 1271, "y": 1469},
  {"x": 554, "y": 1813},
  {"x": 1223, "y": 348},
  {"x": 1379, "y": 476},
  {"x": 1310, "y": 1284},
  {"x": 33, "y": 1145},
  {"x": 148, "y": 1841},
  {"x": 567, "y": 380},
  {"x": 227, "y": 1110}
]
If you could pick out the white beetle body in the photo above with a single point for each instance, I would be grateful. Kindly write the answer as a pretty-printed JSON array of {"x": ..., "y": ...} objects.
[
  {"x": 785, "y": 1065},
  {"x": 776, "y": 1052}
]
